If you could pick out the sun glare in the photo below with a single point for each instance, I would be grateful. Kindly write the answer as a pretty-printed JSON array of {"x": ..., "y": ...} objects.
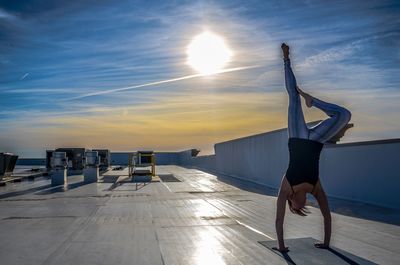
[{"x": 207, "y": 53}]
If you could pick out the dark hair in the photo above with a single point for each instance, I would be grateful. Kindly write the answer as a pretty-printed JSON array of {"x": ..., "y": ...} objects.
[{"x": 302, "y": 211}]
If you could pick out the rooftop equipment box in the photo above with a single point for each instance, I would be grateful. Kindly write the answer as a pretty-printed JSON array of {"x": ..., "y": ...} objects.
[
  {"x": 49, "y": 155},
  {"x": 145, "y": 157},
  {"x": 104, "y": 158},
  {"x": 7, "y": 164},
  {"x": 74, "y": 155}
]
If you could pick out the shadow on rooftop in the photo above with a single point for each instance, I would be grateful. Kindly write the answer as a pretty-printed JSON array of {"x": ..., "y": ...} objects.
[
  {"x": 24, "y": 192},
  {"x": 62, "y": 188},
  {"x": 43, "y": 190}
]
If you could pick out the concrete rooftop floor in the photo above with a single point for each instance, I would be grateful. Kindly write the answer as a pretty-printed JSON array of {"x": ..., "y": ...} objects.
[{"x": 200, "y": 220}]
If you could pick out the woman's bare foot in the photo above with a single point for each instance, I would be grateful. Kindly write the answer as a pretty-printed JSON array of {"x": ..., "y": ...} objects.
[
  {"x": 306, "y": 97},
  {"x": 285, "y": 50}
]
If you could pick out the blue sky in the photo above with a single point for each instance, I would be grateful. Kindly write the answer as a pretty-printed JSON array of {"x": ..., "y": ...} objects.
[{"x": 55, "y": 56}]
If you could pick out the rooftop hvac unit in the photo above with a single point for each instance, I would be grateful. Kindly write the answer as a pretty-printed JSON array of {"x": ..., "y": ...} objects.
[
  {"x": 59, "y": 160},
  {"x": 145, "y": 158},
  {"x": 104, "y": 158},
  {"x": 75, "y": 157},
  {"x": 91, "y": 159},
  {"x": 59, "y": 164},
  {"x": 91, "y": 170},
  {"x": 7, "y": 164}
]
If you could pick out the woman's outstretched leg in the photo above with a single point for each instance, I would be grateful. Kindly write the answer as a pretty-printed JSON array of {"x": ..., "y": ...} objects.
[
  {"x": 296, "y": 124},
  {"x": 339, "y": 117}
]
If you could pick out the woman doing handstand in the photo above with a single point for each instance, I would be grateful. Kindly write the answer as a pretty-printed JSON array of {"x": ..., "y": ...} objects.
[{"x": 305, "y": 145}]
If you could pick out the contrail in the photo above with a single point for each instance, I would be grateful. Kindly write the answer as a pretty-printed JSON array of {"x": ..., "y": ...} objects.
[
  {"x": 24, "y": 76},
  {"x": 161, "y": 82}
]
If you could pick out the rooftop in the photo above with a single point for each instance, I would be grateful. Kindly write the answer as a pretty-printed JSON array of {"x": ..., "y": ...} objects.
[{"x": 200, "y": 220}]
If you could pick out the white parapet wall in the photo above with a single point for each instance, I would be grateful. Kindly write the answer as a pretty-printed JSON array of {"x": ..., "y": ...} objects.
[
  {"x": 261, "y": 158},
  {"x": 364, "y": 171},
  {"x": 162, "y": 158}
]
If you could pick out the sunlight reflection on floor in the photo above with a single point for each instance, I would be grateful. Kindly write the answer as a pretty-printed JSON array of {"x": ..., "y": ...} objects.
[{"x": 208, "y": 249}]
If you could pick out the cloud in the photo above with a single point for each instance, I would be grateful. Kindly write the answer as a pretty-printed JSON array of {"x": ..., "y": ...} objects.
[
  {"x": 7, "y": 16},
  {"x": 340, "y": 52},
  {"x": 163, "y": 82},
  {"x": 83, "y": 51},
  {"x": 193, "y": 120},
  {"x": 174, "y": 123}
]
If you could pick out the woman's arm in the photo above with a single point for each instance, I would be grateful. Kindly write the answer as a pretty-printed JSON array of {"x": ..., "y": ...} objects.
[
  {"x": 320, "y": 195},
  {"x": 280, "y": 216}
]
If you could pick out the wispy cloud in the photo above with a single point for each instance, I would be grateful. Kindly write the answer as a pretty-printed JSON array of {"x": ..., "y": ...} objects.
[
  {"x": 6, "y": 15},
  {"x": 342, "y": 51},
  {"x": 151, "y": 126}
]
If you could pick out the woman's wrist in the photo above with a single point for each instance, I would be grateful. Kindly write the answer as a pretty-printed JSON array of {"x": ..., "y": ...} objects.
[{"x": 281, "y": 244}]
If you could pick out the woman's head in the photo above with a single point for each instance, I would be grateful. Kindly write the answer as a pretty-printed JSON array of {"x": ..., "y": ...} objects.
[{"x": 297, "y": 203}]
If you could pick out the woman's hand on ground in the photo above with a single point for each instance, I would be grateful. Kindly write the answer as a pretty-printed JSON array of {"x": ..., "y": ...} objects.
[
  {"x": 282, "y": 250},
  {"x": 321, "y": 245}
]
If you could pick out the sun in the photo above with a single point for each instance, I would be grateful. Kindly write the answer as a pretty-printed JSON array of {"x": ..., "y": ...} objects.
[{"x": 208, "y": 53}]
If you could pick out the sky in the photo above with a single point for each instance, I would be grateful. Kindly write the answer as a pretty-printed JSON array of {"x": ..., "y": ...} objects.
[{"x": 113, "y": 74}]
